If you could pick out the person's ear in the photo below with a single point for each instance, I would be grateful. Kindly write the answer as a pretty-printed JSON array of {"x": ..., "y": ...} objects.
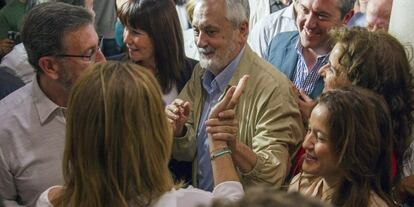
[
  {"x": 347, "y": 17},
  {"x": 49, "y": 67}
]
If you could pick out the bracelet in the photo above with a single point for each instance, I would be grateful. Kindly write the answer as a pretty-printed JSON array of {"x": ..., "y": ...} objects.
[
  {"x": 219, "y": 149},
  {"x": 220, "y": 152}
]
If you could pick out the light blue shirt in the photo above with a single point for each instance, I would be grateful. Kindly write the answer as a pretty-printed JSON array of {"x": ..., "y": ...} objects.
[{"x": 214, "y": 87}]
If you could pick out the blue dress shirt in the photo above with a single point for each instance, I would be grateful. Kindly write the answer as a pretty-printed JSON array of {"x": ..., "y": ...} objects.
[{"x": 214, "y": 87}]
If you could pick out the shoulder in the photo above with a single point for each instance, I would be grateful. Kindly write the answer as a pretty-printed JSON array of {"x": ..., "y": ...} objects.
[
  {"x": 184, "y": 197},
  {"x": 52, "y": 192},
  {"x": 376, "y": 201},
  {"x": 15, "y": 114},
  {"x": 262, "y": 73},
  {"x": 189, "y": 65},
  {"x": 304, "y": 182},
  {"x": 186, "y": 72},
  {"x": 285, "y": 38},
  {"x": 17, "y": 100},
  {"x": 190, "y": 196},
  {"x": 282, "y": 41}
]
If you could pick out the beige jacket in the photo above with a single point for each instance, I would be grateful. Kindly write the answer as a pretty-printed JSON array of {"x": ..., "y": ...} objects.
[
  {"x": 268, "y": 114},
  {"x": 315, "y": 186}
]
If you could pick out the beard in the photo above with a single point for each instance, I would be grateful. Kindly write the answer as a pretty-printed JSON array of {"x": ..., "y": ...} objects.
[
  {"x": 65, "y": 79},
  {"x": 219, "y": 59}
]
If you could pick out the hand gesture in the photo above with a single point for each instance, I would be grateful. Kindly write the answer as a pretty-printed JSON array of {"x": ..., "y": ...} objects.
[
  {"x": 177, "y": 114},
  {"x": 306, "y": 105},
  {"x": 222, "y": 125}
]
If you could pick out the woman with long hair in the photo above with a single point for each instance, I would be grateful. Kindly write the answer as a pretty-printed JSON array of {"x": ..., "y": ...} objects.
[
  {"x": 345, "y": 161},
  {"x": 376, "y": 61},
  {"x": 119, "y": 142},
  {"x": 154, "y": 39}
]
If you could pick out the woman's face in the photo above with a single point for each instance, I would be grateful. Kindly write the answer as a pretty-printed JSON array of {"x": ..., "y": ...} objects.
[
  {"x": 332, "y": 72},
  {"x": 140, "y": 46},
  {"x": 319, "y": 158}
]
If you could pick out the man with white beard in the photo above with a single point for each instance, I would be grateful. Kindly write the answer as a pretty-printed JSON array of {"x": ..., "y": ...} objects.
[{"x": 269, "y": 126}]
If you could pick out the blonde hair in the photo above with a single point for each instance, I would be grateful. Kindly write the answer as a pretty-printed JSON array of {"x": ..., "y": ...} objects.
[
  {"x": 189, "y": 9},
  {"x": 118, "y": 140}
]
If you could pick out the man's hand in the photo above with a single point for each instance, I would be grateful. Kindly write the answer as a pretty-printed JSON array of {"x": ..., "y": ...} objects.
[
  {"x": 231, "y": 98},
  {"x": 177, "y": 114},
  {"x": 6, "y": 45},
  {"x": 224, "y": 128},
  {"x": 306, "y": 105},
  {"x": 222, "y": 124}
]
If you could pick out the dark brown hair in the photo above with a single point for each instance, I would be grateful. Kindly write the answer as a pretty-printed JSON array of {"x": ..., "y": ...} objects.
[
  {"x": 45, "y": 27},
  {"x": 360, "y": 134},
  {"x": 159, "y": 19},
  {"x": 377, "y": 61}
]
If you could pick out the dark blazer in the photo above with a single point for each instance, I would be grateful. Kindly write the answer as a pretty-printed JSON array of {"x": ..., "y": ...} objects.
[
  {"x": 282, "y": 54},
  {"x": 186, "y": 73}
]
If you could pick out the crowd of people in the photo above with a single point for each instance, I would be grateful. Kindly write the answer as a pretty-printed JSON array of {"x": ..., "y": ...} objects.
[{"x": 236, "y": 103}]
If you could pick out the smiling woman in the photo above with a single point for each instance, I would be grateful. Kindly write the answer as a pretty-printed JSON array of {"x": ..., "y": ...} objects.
[
  {"x": 347, "y": 161},
  {"x": 359, "y": 59},
  {"x": 154, "y": 40}
]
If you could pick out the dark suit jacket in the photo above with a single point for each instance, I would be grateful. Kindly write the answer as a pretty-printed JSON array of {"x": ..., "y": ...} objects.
[{"x": 282, "y": 54}]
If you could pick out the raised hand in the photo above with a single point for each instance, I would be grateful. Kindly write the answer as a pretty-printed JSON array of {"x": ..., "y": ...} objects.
[
  {"x": 231, "y": 98},
  {"x": 222, "y": 125}
]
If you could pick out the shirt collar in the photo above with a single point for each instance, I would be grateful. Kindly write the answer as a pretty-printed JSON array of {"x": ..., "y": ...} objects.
[
  {"x": 223, "y": 78},
  {"x": 44, "y": 106},
  {"x": 299, "y": 51}
]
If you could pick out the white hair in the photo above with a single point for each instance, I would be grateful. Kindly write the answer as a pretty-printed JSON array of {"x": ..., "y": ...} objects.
[{"x": 237, "y": 11}]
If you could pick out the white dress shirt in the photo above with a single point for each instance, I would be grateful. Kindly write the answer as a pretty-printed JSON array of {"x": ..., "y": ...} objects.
[
  {"x": 268, "y": 27},
  {"x": 32, "y": 136},
  {"x": 184, "y": 197},
  {"x": 258, "y": 10}
]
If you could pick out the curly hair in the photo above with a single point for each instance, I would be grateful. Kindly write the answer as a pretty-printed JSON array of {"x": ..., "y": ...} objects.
[{"x": 377, "y": 61}]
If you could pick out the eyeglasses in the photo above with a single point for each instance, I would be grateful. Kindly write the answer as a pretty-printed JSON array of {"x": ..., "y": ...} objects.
[{"x": 90, "y": 58}]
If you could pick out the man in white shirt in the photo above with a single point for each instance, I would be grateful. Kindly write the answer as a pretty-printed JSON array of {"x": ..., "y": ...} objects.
[
  {"x": 271, "y": 25},
  {"x": 60, "y": 41}
]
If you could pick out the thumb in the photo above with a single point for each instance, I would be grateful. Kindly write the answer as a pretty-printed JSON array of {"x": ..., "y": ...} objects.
[
  {"x": 238, "y": 92},
  {"x": 222, "y": 105}
]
